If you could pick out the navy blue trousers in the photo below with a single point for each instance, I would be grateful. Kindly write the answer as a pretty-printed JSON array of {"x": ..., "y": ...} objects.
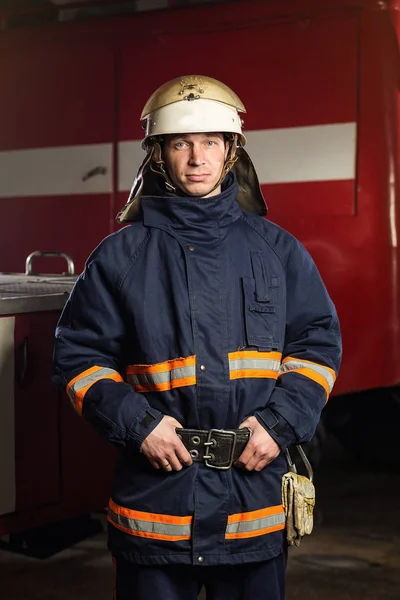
[{"x": 252, "y": 581}]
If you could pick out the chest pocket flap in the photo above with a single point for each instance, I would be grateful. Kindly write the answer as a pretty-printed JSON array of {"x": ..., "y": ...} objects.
[{"x": 261, "y": 306}]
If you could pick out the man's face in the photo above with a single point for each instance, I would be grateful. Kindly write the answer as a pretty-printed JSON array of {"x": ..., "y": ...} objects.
[{"x": 194, "y": 162}]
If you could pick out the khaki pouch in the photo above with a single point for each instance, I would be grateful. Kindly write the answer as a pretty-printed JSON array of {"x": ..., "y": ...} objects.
[{"x": 298, "y": 499}]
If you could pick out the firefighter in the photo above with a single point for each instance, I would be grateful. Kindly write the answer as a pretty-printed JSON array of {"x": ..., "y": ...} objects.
[{"x": 200, "y": 339}]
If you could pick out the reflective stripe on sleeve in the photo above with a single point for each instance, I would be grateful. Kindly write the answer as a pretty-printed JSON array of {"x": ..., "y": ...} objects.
[
  {"x": 149, "y": 525},
  {"x": 321, "y": 374},
  {"x": 255, "y": 523},
  {"x": 77, "y": 387},
  {"x": 164, "y": 376},
  {"x": 253, "y": 364}
]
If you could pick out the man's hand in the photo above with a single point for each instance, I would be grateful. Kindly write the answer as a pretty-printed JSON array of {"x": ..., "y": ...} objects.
[
  {"x": 163, "y": 447},
  {"x": 261, "y": 449}
]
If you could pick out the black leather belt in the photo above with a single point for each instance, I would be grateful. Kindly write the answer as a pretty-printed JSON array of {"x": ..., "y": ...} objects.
[{"x": 217, "y": 448}]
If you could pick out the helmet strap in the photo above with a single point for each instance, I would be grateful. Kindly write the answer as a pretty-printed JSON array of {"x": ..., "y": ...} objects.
[{"x": 157, "y": 165}]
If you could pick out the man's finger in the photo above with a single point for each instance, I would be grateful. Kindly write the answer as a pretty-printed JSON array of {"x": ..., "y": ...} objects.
[
  {"x": 247, "y": 425},
  {"x": 249, "y": 466},
  {"x": 174, "y": 462},
  {"x": 183, "y": 455},
  {"x": 166, "y": 465},
  {"x": 265, "y": 460},
  {"x": 245, "y": 456},
  {"x": 263, "y": 463},
  {"x": 252, "y": 455}
]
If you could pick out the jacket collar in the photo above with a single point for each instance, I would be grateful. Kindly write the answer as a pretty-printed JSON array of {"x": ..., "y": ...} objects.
[{"x": 185, "y": 212}]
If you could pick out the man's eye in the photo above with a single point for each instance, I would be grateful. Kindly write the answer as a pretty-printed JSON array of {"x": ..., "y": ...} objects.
[
  {"x": 180, "y": 145},
  {"x": 210, "y": 143}
]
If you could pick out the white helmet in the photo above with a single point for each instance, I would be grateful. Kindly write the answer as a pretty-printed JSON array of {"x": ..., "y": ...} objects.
[{"x": 193, "y": 104}]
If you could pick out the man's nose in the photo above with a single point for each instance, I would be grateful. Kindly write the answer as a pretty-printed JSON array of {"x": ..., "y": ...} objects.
[{"x": 196, "y": 156}]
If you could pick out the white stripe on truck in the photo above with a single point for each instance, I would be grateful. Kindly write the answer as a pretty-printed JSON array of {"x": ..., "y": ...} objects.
[{"x": 284, "y": 155}]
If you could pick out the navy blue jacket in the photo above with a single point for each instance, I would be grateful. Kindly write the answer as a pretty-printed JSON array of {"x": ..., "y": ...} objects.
[{"x": 209, "y": 314}]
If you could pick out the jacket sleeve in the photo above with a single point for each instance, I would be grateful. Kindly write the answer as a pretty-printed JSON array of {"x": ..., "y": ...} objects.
[
  {"x": 311, "y": 354},
  {"x": 88, "y": 357}
]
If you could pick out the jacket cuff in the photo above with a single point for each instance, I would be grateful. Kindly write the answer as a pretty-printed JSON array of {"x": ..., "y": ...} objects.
[
  {"x": 277, "y": 427},
  {"x": 142, "y": 426}
]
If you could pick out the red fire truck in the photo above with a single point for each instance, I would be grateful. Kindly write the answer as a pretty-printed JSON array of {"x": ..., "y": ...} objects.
[{"x": 319, "y": 79}]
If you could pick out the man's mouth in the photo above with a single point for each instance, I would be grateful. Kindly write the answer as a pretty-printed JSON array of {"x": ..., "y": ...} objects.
[{"x": 197, "y": 177}]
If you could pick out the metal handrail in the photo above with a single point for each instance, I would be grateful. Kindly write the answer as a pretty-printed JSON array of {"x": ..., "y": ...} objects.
[{"x": 28, "y": 262}]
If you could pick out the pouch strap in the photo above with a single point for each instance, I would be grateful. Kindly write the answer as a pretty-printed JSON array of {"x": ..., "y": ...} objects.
[{"x": 307, "y": 464}]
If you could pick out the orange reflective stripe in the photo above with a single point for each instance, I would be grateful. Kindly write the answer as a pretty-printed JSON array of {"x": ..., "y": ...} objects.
[
  {"x": 77, "y": 387},
  {"x": 78, "y": 377},
  {"x": 152, "y": 536},
  {"x": 324, "y": 376},
  {"x": 254, "y": 354},
  {"x": 252, "y": 374},
  {"x": 331, "y": 371},
  {"x": 150, "y": 525},
  {"x": 256, "y": 514},
  {"x": 168, "y": 385},
  {"x": 315, "y": 377},
  {"x": 168, "y": 365},
  {"x": 161, "y": 377},
  {"x": 255, "y": 523},
  {"x": 252, "y": 364},
  {"x": 249, "y": 534},
  {"x": 146, "y": 516}
]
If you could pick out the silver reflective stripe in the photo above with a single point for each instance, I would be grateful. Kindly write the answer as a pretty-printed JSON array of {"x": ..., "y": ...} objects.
[
  {"x": 263, "y": 523},
  {"x": 292, "y": 365},
  {"x": 163, "y": 377},
  {"x": 150, "y": 526},
  {"x": 81, "y": 383},
  {"x": 239, "y": 364}
]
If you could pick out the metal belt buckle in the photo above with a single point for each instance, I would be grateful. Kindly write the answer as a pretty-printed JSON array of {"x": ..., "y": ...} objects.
[{"x": 209, "y": 443}]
